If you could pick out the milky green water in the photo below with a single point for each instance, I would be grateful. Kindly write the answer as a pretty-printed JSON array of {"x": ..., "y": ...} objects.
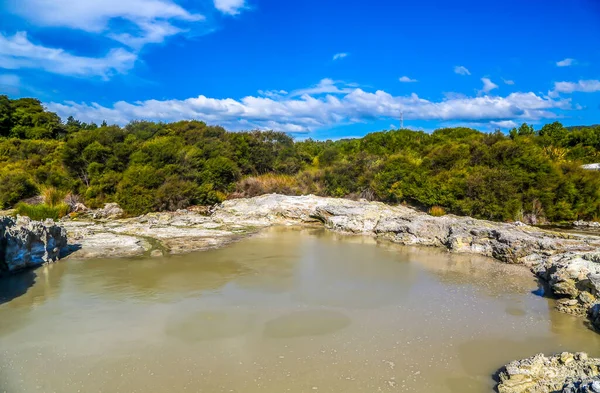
[{"x": 285, "y": 311}]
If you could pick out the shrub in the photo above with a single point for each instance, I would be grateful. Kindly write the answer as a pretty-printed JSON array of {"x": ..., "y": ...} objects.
[
  {"x": 135, "y": 200},
  {"x": 207, "y": 195},
  {"x": 43, "y": 211},
  {"x": 176, "y": 194},
  {"x": 14, "y": 187},
  {"x": 437, "y": 211}
]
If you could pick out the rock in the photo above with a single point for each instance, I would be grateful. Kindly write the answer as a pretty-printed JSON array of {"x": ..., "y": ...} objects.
[
  {"x": 590, "y": 385},
  {"x": 154, "y": 233},
  {"x": 567, "y": 373},
  {"x": 586, "y": 298},
  {"x": 79, "y": 208},
  {"x": 25, "y": 243},
  {"x": 566, "y": 358},
  {"x": 594, "y": 283},
  {"x": 589, "y": 224},
  {"x": 156, "y": 253},
  {"x": 110, "y": 211}
]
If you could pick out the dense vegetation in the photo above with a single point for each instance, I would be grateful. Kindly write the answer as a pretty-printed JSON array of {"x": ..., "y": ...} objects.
[{"x": 148, "y": 166}]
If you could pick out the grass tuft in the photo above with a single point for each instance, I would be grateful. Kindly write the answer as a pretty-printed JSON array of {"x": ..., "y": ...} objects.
[{"x": 437, "y": 211}]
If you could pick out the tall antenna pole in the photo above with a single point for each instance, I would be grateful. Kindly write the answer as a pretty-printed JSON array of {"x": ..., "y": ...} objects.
[{"x": 402, "y": 120}]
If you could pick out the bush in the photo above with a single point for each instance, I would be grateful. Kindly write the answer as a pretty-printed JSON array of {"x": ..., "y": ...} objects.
[
  {"x": 43, "y": 211},
  {"x": 176, "y": 194},
  {"x": 135, "y": 200},
  {"x": 14, "y": 187}
]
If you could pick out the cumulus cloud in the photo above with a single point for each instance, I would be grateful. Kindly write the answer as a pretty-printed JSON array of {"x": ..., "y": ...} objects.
[
  {"x": 460, "y": 70},
  {"x": 18, "y": 51},
  {"x": 582, "y": 86},
  {"x": 325, "y": 86},
  {"x": 508, "y": 82},
  {"x": 566, "y": 62},
  {"x": 504, "y": 123},
  {"x": 488, "y": 85},
  {"x": 132, "y": 22},
  {"x": 230, "y": 7},
  {"x": 339, "y": 56},
  {"x": 330, "y": 103},
  {"x": 406, "y": 79}
]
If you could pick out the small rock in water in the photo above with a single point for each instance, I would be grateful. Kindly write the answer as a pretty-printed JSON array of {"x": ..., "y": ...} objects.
[{"x": 156, "y": 253}]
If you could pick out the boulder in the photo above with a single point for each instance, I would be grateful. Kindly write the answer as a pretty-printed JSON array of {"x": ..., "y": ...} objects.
[
  {"x": 110, "y": 211},
  {"x": 25, "y": 243},
  {"x": 565, "y": 372}
]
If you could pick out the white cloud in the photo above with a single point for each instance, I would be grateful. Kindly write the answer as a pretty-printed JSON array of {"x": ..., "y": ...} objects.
[
  {"x": 508, "y": 82},
  {"x": 460, "y": 70},
  {"x": 582, "y": 86},
  {"x": 504, "y": 123},
  {"x": 133, "y": 22},
  {"x": 488, "y": 85},
  {"x": 406, "y": 79},
  {"x": 325, "y": 86},
  {"x": 309, "y": 111},
  {"x": 230, "y": 7},
  {"x": 18, "y": 52},
  {"x": 566, "y": 62},
  {"x": 273, "y": 93},
  {"x": 339, "y": 56}
]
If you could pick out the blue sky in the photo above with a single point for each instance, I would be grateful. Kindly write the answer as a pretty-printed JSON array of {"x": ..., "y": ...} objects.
[{"x": 320, "y": 69}]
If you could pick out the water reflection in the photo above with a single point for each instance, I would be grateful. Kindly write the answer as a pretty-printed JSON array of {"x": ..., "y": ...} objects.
[{"x": 16, "y": 285}]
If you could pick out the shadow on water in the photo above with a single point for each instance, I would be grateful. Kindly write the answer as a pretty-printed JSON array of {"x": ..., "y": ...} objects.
[
  {"x": 16, "y": 285},
  {"x": 68, "y": 250},
  {"x": 543, "y": 290}
]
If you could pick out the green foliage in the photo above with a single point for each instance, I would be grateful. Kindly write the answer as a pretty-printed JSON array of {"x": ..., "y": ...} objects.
[
  {"x": 147, "y": 166},
  {"x": 42, "y": 211},
  {"x": 14, "y": 187}
]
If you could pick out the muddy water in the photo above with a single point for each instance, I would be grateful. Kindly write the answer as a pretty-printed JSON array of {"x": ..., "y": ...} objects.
[{"x": 285, "y": 311}]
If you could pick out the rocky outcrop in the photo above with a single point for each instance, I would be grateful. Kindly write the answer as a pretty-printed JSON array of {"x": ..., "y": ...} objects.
[
  {"x": 565, "y": 373},
  {"x": 110, "y": 211},
  {"x": 153, "y": 234},
  {"x": 25, "y": 243},
  {"x": 586, "y": 224},
  {"x": 570, "y": 263}
]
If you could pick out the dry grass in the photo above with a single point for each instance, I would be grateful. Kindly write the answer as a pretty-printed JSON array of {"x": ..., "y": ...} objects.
[
  {"x": 437, "y": 211},
  {"x": 267, "y": 184},
  {"x": 52, "y": 197}
]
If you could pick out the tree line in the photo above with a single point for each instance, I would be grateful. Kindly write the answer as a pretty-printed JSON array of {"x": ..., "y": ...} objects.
[{"x": 144, "y": 166}]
